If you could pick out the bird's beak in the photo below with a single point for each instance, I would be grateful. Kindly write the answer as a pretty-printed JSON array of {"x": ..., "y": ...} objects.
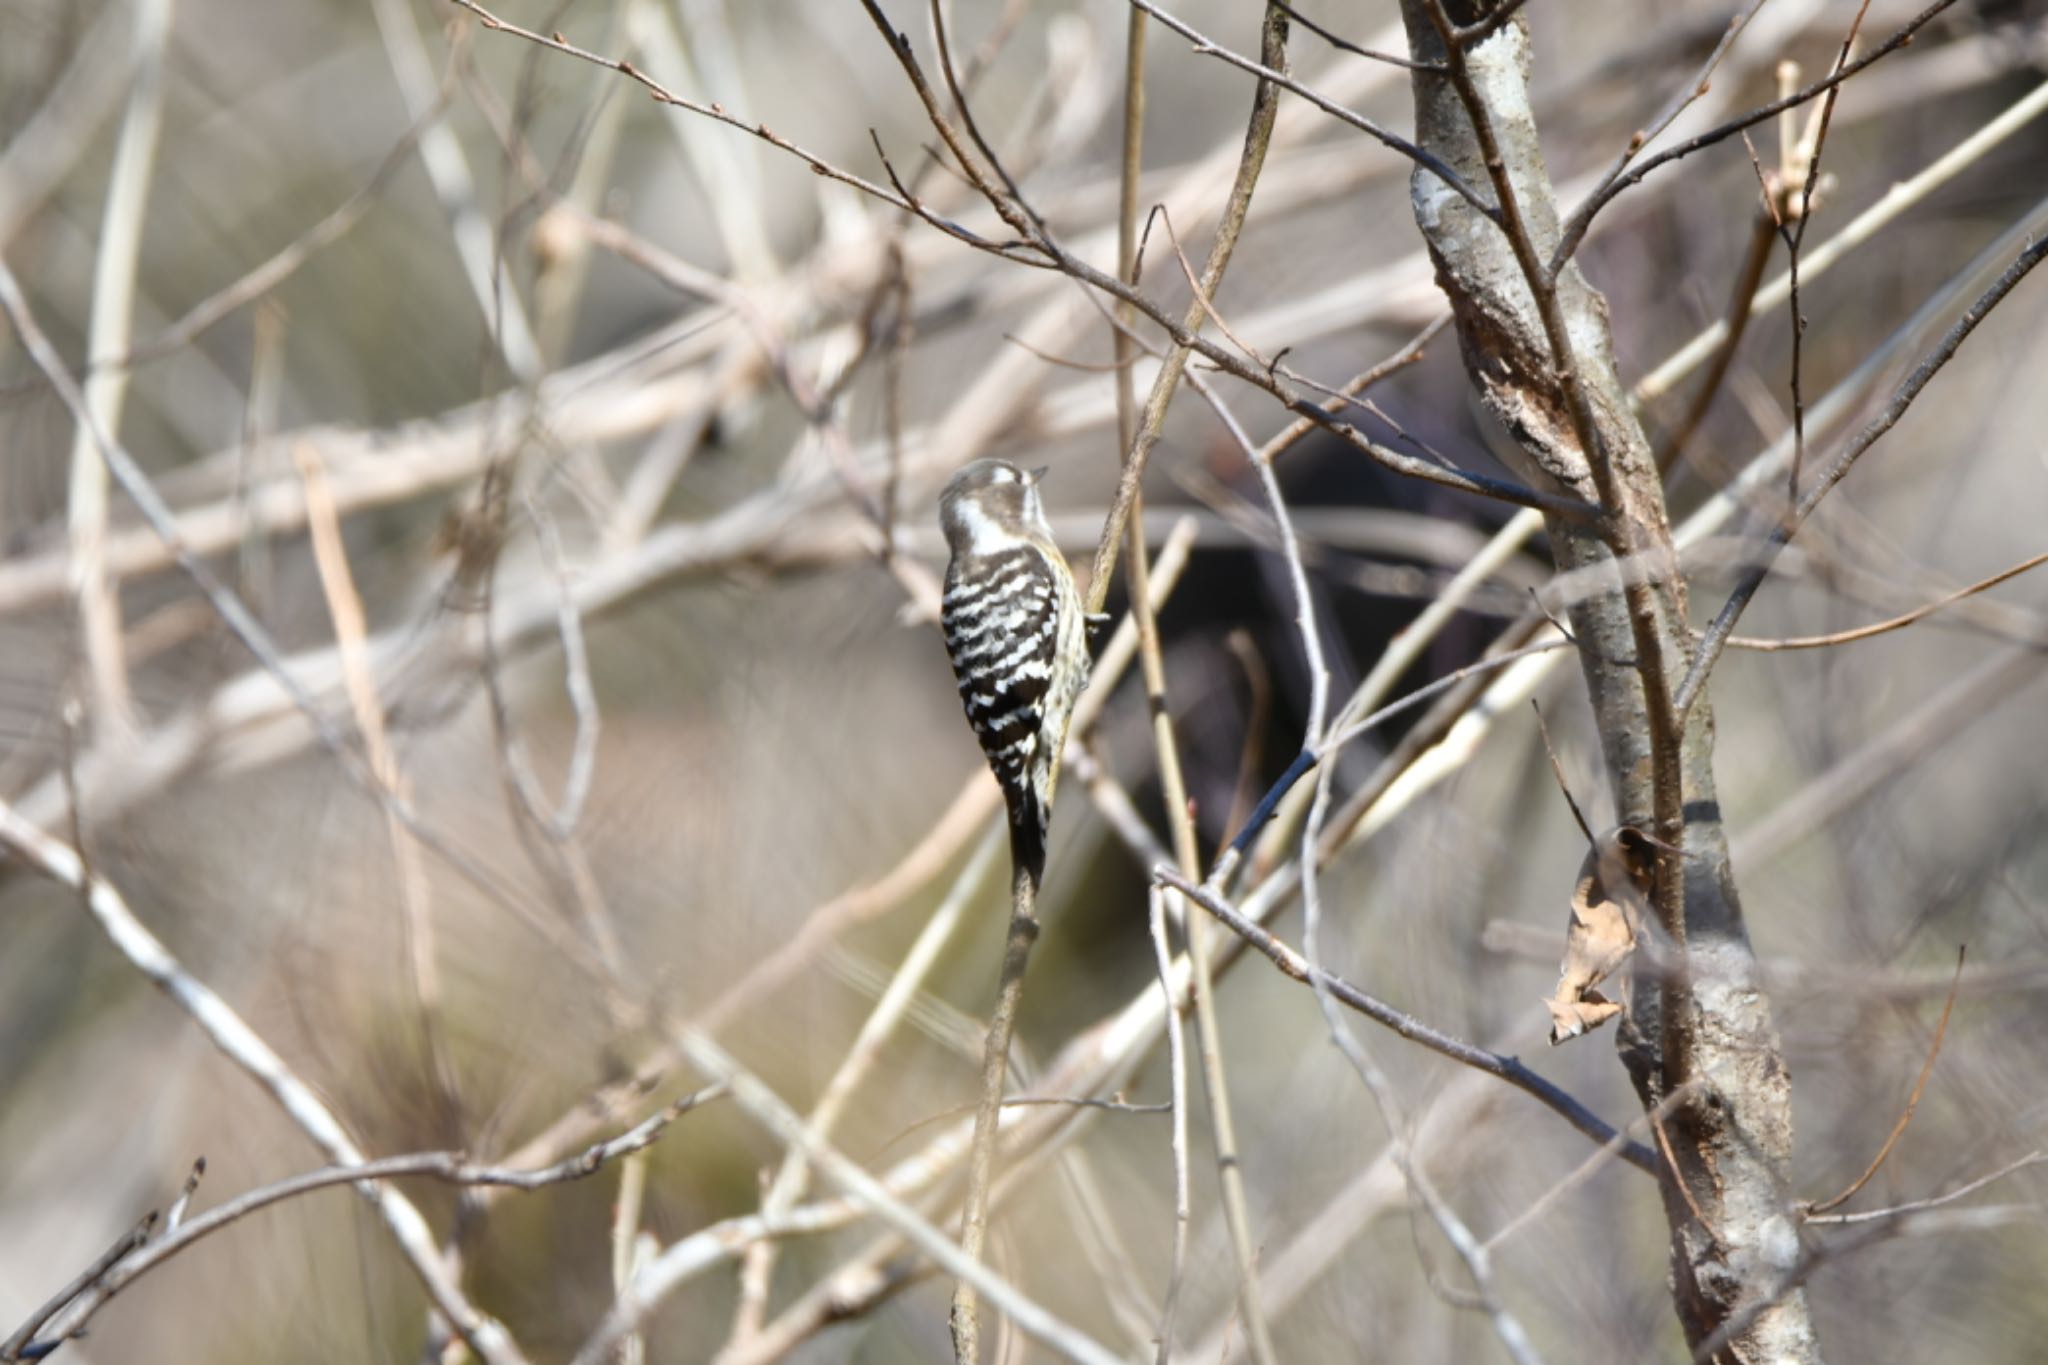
[{"x": 1039, "y": 472}]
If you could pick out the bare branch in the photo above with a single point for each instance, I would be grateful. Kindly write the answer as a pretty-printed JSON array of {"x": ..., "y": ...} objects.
[
  {"x": 1912, "y": 1101},
  {"x": 1899, "y": 622},
  {"x": 1716, "y": 636},
  {"x": 1267, "y": 71},
  {"x": 452, "y": 1168},
  {"x": 113, "y": 306},
  {"x": 1574, "y": 229},
  {"x": 22, "y": 1345},
  {"x": 226, "y": 1030},
  {"x": 1962, "y": 1191},
  {"x": 774, "y": 1114},
  {"x": 1494, "y": 1064}
]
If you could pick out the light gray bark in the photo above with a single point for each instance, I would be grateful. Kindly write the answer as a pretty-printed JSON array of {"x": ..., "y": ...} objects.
[{"x": 1712, "y": 1027}]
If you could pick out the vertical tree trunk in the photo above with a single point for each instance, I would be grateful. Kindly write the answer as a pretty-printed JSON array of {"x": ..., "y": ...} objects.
[{"x": 1709, "y": 1025}]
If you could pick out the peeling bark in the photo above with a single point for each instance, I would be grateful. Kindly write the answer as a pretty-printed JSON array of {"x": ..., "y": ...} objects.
[{"x": 1711, "y": 1024}]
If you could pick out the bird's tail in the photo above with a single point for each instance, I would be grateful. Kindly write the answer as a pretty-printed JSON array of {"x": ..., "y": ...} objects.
[{"x": 1027, "y": 838}]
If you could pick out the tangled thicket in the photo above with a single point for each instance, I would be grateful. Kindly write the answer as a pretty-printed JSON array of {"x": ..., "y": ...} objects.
[{"x": 471, "y": 702}]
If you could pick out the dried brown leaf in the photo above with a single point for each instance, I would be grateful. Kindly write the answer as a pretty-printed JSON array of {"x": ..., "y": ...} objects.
[
  {"x": 1570, "y": 1018},
  {"x": 1606, "y": 909}
]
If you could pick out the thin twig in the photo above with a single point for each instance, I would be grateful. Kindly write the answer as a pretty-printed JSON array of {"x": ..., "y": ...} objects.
[
  {"x": 1575, "y": 227},
  {"x": 1900, "y": 622},
  {"x": 18, "y": 1346},
  {"x": 793, "y": 1179},
  {"x": 1258, "y": 713},
  {"x": 450, "y": 1168},
  {"x": 1895, "y": 201},
  {"x": 1347, "y": 730},
  {"x": 210, "y": 311},
  {"x": 1178, "y": 1073},
  {"x": 447, "y": 169},
  {"x": 1286, "y": 805},
  {"x": 558, "y": 820},
  {"x": 1507, "y": 1328},
  {"x": 1258, "y": 138},
  {"x": 233, "y": 612},
  {"x": 1679, "y": 103},
  {"x": 241, "y": 1045},
  {"x": 1676, "y": 1173},
  {"x": 1346, "y": 45},
  {"x": 43, "y": 148},
  {"x": 1621, "y": 1145},
  {"x": 666, "y": 96},
  {"x": 1125, "y": 351},
  {"x": 2035, "y": 1158},
  {"x": 1912, "y": 1101},
  {"x": 113, "y": 305},
  {"x": 1740, "y": 303},
  {"x": 1715, "y": 638},
  {"x": 1045, "y": 252},
  {"x": 1478, "y": 29},
  {"x": 183, "y": 1203},
  {"x": 954, "y": 1112},
  {"x": 626, "y": 1244},
  {"x": 351, "y": 632},
  {"x": 1795, "y": 237},
  {"x": 788, "y": 1126},
  {"x": 1409, "y": 354},
  {"x": 1137, "y": 444},
  {"x": 1557, "y": 771},
  {"x": 1498, "y": 1065},
  {"x": 1275, "y": 73},
  {"x": 964, "y": 1318}
]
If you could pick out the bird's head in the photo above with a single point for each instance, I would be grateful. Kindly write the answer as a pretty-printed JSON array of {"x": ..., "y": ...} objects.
[{"x": 991, "y": 505}]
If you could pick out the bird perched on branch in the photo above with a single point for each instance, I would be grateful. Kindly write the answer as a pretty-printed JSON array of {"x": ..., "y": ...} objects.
[{"x": 1017, "y": 637}]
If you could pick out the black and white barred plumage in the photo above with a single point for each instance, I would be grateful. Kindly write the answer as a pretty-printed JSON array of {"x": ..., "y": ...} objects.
[{"x": 1015, "y": 632}]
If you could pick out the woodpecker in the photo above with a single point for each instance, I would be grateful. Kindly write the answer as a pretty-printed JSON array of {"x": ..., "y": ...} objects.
[{"x": 1017, "y": 637}]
